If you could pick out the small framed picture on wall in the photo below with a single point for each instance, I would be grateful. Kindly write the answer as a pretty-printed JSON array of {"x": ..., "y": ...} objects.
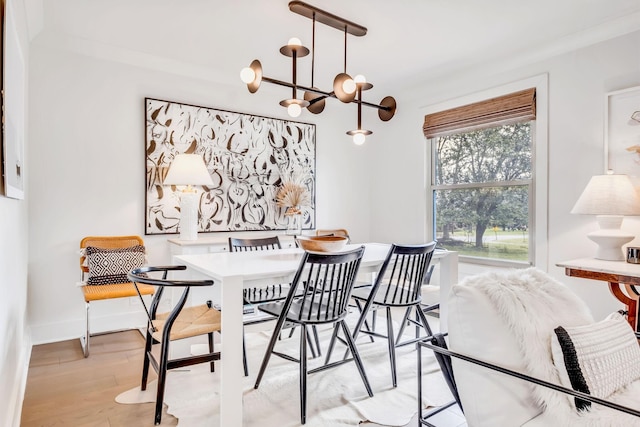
[{"x": 622, "y": 132}]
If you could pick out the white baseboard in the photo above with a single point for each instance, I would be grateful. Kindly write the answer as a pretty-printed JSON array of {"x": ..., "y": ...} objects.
[{"x": 74, "y": 328}]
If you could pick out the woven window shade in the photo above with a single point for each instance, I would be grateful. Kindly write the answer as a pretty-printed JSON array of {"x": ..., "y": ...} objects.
[{"x": 514, "y": 107}]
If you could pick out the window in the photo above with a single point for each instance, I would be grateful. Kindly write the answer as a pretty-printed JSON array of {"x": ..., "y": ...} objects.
[{"x": 482, "y": 177}]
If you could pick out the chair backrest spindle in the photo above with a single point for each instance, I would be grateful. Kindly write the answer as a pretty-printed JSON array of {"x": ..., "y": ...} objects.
[
  {"x": 405, "y": 271},
  {"x": 261, "y": 244},
  {"x": 326, "y": 285}
]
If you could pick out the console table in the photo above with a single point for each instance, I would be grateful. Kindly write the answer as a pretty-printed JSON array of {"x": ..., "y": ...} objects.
[
  {"x": 205, "y": 245},
  {"x": 621, "y": 276}
]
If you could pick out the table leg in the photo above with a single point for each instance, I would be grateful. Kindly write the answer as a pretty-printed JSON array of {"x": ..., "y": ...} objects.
[
  {"x": 631, "y": 304},
  {"x": 231, "y": 369}
]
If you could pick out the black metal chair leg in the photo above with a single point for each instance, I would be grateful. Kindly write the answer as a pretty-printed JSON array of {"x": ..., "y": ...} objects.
[
  {"x": 403, "y": 324},
  {"x": 392, "y": 348},
  {"x": 145, "y": 364},
  {"x": 356, "y": 357},
  {"x": 425, "y": 322},
  {"x": 365, "y": 323},
  {"x": 162, "y": 379},
  {"x": 315, "y": 334},
  {"x": 244, "y": 357},
  {"x": 332, "y": 343},
  {"x": 310, "y": 341},
  {"x": 211, "y": 349},
  {"x": 303, "y": 374},
  {"x": 374, "y": 316},
  {"x": 267, "y": 354}
]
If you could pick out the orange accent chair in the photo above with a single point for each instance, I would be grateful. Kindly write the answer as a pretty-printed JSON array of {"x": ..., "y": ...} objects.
[{"x": 97, "y": 292}]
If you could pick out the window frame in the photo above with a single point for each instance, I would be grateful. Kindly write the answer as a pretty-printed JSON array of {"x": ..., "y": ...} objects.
[{"x": 538, "y": 191}]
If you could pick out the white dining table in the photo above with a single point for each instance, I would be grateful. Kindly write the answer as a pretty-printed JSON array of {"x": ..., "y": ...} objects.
[{"x": 232, "y": 272}]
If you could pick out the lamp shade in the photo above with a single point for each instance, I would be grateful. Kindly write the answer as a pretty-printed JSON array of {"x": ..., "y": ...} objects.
[
  {"x": 608, "y": 195},
  {"x": 188, "y": 169}
]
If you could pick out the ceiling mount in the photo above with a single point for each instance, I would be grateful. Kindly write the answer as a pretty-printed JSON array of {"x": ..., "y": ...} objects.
[
  {"x": 326, "y": 18},
  {"x": 345, "y": 88}
]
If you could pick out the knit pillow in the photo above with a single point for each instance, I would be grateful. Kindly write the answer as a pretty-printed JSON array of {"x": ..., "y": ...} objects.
[
  {"x": 598, "y": 359},
  {"x": 107, "y": 266}
]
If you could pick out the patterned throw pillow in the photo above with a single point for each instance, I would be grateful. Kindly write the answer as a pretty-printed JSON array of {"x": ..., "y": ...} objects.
[
  {"x": 597, "y": 359},
  {"x": 107, "y": 266}
]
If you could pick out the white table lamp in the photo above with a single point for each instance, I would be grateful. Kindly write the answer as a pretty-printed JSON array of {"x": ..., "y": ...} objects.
[
  {"x": 610, "y": 197},
  {"x": 188, "y": 170}
]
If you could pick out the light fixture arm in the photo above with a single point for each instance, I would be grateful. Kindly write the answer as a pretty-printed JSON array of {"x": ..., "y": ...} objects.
[
  {"x": 345, "y": 49},
  {"x": 386, "y": 108},
  {"x": 294, "y": 58},
  {"x": 313, "y": 47},
  {"x": 359, "y": 101}
]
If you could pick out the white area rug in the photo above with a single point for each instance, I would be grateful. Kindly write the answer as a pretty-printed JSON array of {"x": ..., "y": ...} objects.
[{"x": 335, "y": 397}]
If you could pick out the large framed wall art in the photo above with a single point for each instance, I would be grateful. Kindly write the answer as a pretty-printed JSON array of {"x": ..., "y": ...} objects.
[{"x": 248, "y": 157}]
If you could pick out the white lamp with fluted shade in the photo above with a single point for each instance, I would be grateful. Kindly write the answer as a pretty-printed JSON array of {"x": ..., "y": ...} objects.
[
  {"x": 610, "y": 197},
  {"x": 188, "y": 170}
]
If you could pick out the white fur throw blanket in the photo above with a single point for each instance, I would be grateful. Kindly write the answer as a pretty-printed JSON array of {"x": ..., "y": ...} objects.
[{"x": 533, "y": 304}]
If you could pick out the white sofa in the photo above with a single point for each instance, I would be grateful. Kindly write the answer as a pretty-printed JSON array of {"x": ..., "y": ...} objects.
[{"x": 509, "y": 319}]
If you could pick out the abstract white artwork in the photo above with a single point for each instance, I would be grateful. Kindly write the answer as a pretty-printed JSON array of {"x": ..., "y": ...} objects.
[{"x": 246, "y": 155}]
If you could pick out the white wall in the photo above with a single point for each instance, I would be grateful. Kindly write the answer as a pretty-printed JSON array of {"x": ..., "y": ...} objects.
[
  {"x": 15, "y": 343},
  {"x": 88, "y": 132},
  {"x": 578, "y": 82},
  {"x": 87, "y": 151}
]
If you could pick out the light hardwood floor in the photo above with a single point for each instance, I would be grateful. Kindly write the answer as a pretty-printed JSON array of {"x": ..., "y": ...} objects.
[{"x": 65, "y": 389}]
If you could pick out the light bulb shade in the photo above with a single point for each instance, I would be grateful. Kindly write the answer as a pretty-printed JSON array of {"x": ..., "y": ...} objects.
[
  {"x": 294, "y": 45},
  {"x": 188, "y": 169},
  {"x": 359, "y": 135},
  {"x": 359, "y": 79},
  {"x": 338, "y": 88},
  {"x": 361, "y": 82},
  {"x": 294, "y": 106},
  {"x": 316, "y": 102},
  {"x": 608, "y": 195},
  {"x": 359, "y": 138},
  {"x": 247, "y": 75},
  {"x": 349, "y": 86},
  {"x": 389, "y": 108},
  {"x": 256, "y": 68},
  {"x": 294, "y": 110}
]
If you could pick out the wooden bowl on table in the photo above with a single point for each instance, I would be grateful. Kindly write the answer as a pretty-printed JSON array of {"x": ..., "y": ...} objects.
[{"x": 322, "y": 243}]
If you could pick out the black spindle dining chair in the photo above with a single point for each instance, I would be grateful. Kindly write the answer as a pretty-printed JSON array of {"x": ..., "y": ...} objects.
[
  {"x": 257, "y": 295},
  {"x": 319, "y": 294},
  {"x": 398, "y": 284}
]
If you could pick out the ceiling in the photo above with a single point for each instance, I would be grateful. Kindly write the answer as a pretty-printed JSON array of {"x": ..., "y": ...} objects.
[{"x": 407, "y": 40}]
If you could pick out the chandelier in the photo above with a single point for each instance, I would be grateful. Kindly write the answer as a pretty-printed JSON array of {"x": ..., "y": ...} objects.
[{"x": 347, "y": 89}]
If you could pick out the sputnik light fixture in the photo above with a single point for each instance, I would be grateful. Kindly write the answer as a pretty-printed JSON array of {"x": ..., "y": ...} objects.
[{"x": 345, "y": 88}]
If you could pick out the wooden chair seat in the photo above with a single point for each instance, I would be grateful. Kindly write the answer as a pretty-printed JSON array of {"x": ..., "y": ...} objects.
[
  {"x": 191, "y": 322},
  {"x": 117, "y": 290}
]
